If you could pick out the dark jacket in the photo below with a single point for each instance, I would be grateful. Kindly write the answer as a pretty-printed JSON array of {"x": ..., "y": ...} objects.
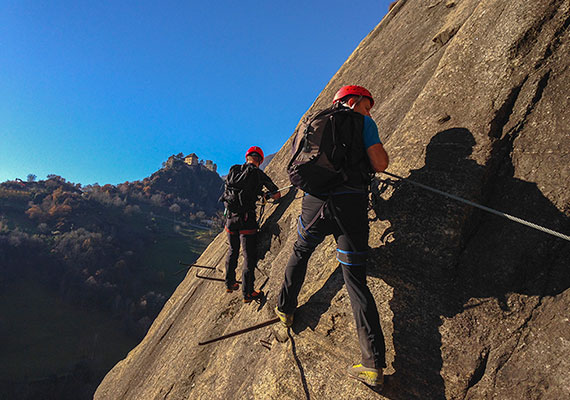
[{"x": 244, "y": 185}]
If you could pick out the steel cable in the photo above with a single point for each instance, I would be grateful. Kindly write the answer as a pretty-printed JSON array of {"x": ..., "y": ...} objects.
[{"x": 484, "y": 208}]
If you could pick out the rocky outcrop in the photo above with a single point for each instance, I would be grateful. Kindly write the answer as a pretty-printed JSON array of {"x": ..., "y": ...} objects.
[
  {"x": 197, "y": 184},
  {"x": 266, "y": 161},
  {"x": 471, "y": 98}
]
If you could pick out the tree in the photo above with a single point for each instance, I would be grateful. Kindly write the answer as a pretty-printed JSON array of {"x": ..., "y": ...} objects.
[
  {"x": 157, "y": 199},
  {"x": 31, "y": 178},
  {"x": 35, "y": 212},
  {"x": 131, "y": 209},
  {"x": 55, "y": 177}
]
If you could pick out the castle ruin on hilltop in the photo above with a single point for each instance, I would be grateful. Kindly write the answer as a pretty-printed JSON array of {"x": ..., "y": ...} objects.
[{"x": 192, "y": 159}]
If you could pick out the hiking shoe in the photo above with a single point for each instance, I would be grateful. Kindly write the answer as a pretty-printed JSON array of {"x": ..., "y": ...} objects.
[
  {"x": 256, "y": 295},
  {"x": 232, "y": 287},
  {"x": 370, "y": 376},
  {"x": 286, "y": 319}
]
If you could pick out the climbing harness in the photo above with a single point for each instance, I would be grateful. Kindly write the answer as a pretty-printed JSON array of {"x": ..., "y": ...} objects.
[
  {"x": 303, "y": 230},
  {"x": 337, "y": 219},
  {"x": 350, "y": 256},
  {"x": 490, "y": 210},
  {"x": 261, "y": 210}
]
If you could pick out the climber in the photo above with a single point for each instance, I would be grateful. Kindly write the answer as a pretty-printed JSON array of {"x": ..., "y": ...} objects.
[
  {"x": 243, "y": 186},
  {"x": 343, "y": 212}
]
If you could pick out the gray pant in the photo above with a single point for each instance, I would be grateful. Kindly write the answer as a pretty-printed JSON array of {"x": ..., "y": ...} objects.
[
  {"x": 242, "y": 229},
  {"x": 345, "y": 216}
]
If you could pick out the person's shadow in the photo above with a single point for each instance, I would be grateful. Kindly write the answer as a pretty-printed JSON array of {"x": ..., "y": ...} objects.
[
  {"x": 269, "y": 228},
  {"x": 439, "y": 253}
]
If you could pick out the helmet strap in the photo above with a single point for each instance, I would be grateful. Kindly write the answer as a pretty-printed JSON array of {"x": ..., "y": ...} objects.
[{"x": 358, "y": 100}]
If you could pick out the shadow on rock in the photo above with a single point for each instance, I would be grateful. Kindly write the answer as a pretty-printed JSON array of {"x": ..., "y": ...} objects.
[
  {"x": 270, "y": 229},
  {"x": 300, "y": 366},
  {"x": 439, "y": 253},
  {"x": 309, "y": 314}
]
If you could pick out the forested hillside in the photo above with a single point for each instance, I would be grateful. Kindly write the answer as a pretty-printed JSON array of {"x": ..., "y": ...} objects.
[{"x": 85, "y": 265}]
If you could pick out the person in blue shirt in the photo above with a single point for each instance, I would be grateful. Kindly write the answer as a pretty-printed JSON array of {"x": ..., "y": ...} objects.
[{"x": 343, "y": 212}]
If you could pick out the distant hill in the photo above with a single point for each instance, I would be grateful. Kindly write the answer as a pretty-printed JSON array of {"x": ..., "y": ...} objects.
[
  {"x": 107, "y": 255},
  {"x": 188, "y": 184},
  {"x": 78, "y": 233},
  {"x": 267, "y": 160}
]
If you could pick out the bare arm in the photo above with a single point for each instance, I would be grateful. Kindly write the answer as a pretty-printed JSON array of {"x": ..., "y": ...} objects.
[{"x": 378, "y": 157}]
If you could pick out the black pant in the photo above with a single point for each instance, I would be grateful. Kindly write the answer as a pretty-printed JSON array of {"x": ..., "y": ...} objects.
[
  {"x": 346, "y": 217},
  {"x": 242, "y": 229}
]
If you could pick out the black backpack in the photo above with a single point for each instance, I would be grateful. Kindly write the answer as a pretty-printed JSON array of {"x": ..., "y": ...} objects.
[
  {"x": 240, "y": 192},
  {"x": 328, "y": 151}
]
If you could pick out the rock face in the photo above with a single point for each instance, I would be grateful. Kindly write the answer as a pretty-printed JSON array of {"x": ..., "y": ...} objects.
[{"x": 472, "y": 98}]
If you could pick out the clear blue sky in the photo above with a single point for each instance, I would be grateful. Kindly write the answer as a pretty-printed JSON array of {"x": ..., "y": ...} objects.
[{"x": 105, "y": 91}]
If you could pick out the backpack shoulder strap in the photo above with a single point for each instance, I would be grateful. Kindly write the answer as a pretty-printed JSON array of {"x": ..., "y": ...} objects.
[{"x": 307, "y": 121}]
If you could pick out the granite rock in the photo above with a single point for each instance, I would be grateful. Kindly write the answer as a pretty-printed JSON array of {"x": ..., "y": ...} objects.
[{"x": 473, "y": 306}]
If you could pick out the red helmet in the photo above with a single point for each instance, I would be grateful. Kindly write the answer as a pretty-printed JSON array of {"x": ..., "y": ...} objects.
[
  {"x": 352, "y": 90},
  {"x": 255, "y": 149}
]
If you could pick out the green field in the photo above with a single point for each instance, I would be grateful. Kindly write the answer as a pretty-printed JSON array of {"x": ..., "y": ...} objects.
[
  {"x": 41, "y": 336},
  {"x": 163, "y": 256}
]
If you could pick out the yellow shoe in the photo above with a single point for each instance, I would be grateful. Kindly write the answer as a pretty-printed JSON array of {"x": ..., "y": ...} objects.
[
  {"x": 286, "y": 319},
  {"x": 371, "y": 376}
]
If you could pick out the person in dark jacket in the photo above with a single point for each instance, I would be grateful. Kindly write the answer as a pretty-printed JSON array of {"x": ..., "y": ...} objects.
[
  {"x": 244, "y": 185},
  {"x": 343, "y": 212}
]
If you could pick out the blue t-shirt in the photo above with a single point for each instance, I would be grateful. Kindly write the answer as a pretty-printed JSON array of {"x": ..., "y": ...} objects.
[
  {"x": 370, "y": 137},
  {"x": 370, "y": 132}
]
